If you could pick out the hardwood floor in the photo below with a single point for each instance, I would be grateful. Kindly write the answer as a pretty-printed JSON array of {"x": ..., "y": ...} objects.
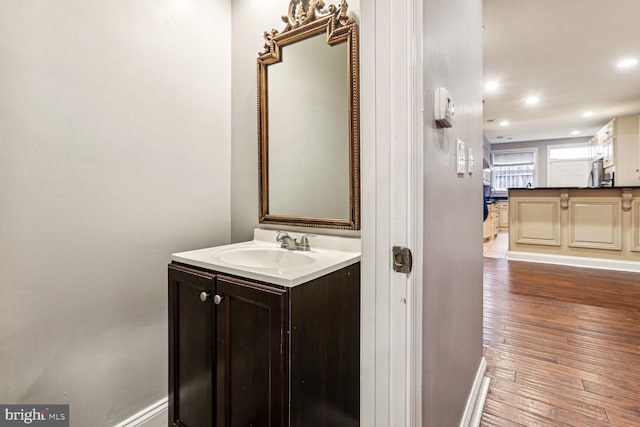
[{"x": 562, "y": 345}]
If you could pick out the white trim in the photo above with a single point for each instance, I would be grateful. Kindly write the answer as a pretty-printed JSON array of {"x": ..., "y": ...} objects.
[
  {"x": 482, "y": 397},
  {"x": 574, "y": 261},
  {"x": 388, "y": 116},
  {"x": 374, "y": 390},
  {"x": 152, "y": 411},
  {"x": 475, "y": 401},
  {"x": 415, "y": 211}
]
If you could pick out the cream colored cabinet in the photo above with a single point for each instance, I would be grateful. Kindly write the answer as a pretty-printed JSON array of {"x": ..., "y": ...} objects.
[
  {"x": 637, "y": 144},
  {"x": 622, "y": 154},
  {"x": 609, "y": 150},
  {"x": 487, "y": 225},
  {"x": 503, "y": 216},
  {"x": 609, "y": 143},
  {"x": 490, "y": 225},
  {"x": 494, "y": 226},
  {"x": 596, "y": 148},
  {"x": 604, "y": 144},
  {"x": 618, "y": 144},
  {"x": 563, "y": 224}
]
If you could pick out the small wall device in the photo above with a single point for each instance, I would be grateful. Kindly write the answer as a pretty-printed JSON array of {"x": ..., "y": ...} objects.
[{"x": 443, "y": 108}]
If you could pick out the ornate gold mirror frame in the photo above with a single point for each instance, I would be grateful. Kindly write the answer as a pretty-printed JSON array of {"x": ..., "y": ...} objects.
[{"x": 306, "y": 19}]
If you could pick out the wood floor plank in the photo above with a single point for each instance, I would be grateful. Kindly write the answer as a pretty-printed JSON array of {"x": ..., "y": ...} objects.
[
  {"x": 624, "y": 419},
  {"x": 562, "y": 345},
  {"x": 557, "y": 405},
  {"x": 515, "y": 417}
]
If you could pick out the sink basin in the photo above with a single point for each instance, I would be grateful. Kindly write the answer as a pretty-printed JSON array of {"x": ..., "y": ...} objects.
[{"x": 265, "y": 258}]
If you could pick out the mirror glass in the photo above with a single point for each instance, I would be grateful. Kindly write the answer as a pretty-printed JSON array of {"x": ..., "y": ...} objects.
[
  {"x": 308, "y": 141},
  {"x": 308, "y": 113}
]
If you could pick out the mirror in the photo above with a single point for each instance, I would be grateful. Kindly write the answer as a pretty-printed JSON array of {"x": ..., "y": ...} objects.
[{"x": 308, "y": 119}]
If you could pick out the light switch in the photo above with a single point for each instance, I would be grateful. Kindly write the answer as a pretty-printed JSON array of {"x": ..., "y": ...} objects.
[{"x": 461, "y": 154}]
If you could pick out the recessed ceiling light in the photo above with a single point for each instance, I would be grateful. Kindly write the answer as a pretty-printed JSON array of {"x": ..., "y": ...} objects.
[
  {"x": 489, "y": 86},
  {"x": 499, "y": 137},
  {"x": 504, "y": 123},
  {"x": 587, "y": 114},
  {"x": 575, "y": 132},
  {"x": 626, "y": 63},
  {"x": 532, "y": 100}
]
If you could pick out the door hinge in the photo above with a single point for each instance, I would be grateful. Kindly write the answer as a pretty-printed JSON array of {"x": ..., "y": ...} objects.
[{"x": 402, "y": 259}]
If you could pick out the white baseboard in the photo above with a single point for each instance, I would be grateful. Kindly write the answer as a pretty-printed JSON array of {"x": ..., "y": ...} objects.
[
  {"x": 574, "y": 261},
  {"x": 482, "y": 396},
  {"x": 147, "y": 415},
  {"x": 477, "y": 396}
]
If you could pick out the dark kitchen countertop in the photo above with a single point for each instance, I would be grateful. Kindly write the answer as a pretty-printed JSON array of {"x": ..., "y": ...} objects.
[
  {"x": 578, "y": 188},
  {"x": 491, "y": 200}
]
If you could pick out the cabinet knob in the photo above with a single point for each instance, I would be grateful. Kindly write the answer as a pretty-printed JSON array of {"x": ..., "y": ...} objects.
[
  {"x": 204, "y": 296},
  {"x": 217, "y": 299}
]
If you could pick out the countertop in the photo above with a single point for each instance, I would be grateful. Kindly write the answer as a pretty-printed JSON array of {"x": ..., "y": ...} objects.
[
  {"x": 578, "y": 188},
  {"x": 329, "y": 254},
  {"x": 492, "y": 200}
]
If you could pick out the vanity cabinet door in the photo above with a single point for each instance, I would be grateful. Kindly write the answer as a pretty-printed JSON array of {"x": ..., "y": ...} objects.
[
  {"x": 251, "y": 354},
  {"x": 191, "y": 386},
  {"x": 325, "y": 350}
]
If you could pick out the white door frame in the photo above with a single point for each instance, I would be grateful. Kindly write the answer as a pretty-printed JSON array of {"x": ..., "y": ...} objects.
[{"x": 391, "y": 164}]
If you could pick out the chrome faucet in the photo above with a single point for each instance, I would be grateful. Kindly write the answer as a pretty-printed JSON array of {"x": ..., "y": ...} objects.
[{"x": 286, "y": 242}]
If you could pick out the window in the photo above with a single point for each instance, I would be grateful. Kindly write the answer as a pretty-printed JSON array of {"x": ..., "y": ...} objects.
[
  {"x": 569, "y": 152},
  {"x": 568, "y": 165},
  {"x": 514, "y": 168}
]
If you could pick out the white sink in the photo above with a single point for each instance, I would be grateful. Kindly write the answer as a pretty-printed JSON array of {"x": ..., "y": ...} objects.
[{"x": 263, "y": 259}]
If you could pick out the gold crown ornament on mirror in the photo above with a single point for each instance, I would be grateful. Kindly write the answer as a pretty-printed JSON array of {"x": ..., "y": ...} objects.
[{"x": 304, "y": 12}]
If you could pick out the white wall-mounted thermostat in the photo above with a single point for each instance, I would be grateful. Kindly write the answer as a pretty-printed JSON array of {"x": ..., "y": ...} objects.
[{"x": 443, "y": 108}]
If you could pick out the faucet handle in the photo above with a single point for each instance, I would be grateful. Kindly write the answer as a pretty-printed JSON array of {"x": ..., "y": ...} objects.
[
  {"x": 304, "y": 242},
  {"x": 281, "y": 235}
]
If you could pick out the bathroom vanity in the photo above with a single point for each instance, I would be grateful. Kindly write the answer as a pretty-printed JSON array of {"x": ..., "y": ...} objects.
[{"x": 264, "y": 336}]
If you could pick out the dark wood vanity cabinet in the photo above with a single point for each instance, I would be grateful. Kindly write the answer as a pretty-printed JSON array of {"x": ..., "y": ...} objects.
[{"x": 244, "y": 353}]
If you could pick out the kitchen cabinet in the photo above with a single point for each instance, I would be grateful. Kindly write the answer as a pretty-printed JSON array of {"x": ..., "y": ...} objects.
[
  {"x": 606, "y": 142},
  {"x": 486, "y": 226},
  {"x": 576, "y": 223},
  {"x": 248, "y": 353},
  {"x": 609, "y": 150},
  {"x": 489, "y": 227},
  {"x": 621, "y": 152},
  {"x": 618, "y": 144},
  {"x": 503, "y": 216}
]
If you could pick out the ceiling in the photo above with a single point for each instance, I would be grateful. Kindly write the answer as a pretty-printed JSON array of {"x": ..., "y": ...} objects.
[{"x": 566, "y": 53}]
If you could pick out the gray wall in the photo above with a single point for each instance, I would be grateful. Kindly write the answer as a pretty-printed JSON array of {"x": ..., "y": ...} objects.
[
  {"x": 452, "y": 272},
  {"x": 542, "y": 152},
  {"x": 250, "y": 19},
  {"x": 114, "y": 153}
]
